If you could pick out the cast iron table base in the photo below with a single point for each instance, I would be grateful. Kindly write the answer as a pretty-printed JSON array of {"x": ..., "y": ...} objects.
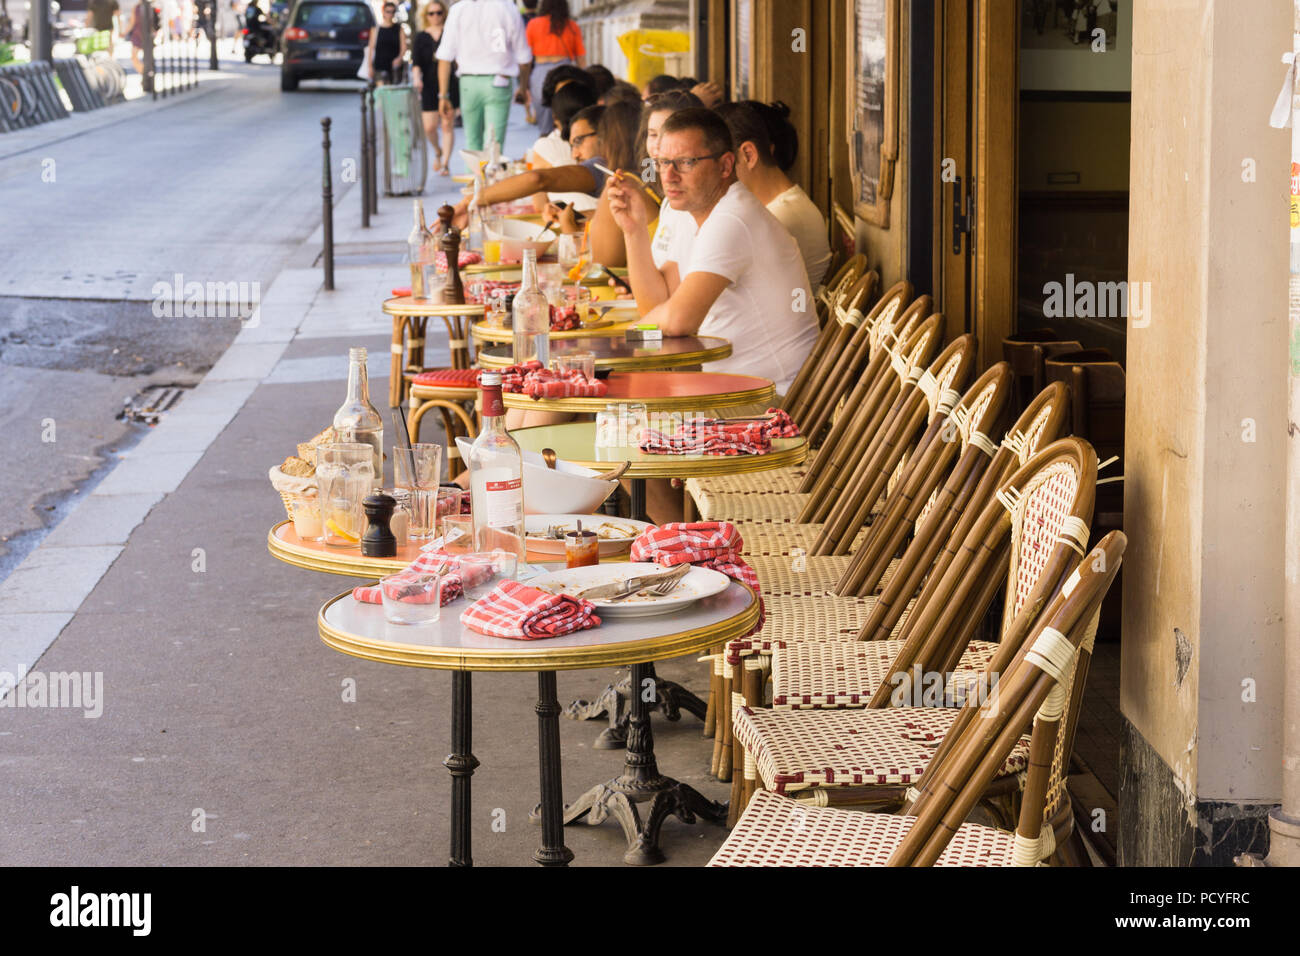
[
  {"x": 641, "y": 782},
  {"x": 670, "y": 699}
]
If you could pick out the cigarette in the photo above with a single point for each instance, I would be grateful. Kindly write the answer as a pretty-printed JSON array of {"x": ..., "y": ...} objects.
[{"x": 609, "y": 172}]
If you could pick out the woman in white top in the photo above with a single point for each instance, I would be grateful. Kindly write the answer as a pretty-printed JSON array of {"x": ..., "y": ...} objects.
[{"x": 766, "y": 147}]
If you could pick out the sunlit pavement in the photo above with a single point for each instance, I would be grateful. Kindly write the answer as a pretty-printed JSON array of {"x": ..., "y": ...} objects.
[{"x": 224, "y": 736}]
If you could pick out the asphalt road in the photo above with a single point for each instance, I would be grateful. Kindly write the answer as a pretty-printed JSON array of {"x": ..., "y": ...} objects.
[{"x": 219, "y": 186}]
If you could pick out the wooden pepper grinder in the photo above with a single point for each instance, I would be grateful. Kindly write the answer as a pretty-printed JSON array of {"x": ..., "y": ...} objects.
[
  {"x": 453, "y": 290},
  {"x": 378, "y": 541}
]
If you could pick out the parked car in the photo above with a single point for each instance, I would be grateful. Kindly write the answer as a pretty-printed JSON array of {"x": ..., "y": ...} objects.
[{"x": 324, "y": 39}]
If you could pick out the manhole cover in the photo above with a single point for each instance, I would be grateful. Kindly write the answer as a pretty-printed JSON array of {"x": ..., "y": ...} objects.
[{"x": 151, "y": 404}]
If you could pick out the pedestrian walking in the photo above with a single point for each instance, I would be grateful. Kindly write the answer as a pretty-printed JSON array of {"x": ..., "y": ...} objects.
[
  {"x": 555, "y": 39},
  {"x": 485, "y": 38},
  {"x": 424, "y": 49},
  {"x": 135, "y": 33},
  {"x": 387, "y": 48}
]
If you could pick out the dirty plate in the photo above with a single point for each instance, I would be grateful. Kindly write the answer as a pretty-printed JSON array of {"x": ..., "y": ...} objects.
[
  {"x": 607, "y": 528},
  {"x": 698, "y": 584}
]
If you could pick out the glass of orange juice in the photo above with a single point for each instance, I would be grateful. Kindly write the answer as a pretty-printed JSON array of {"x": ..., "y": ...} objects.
[{"x": 492, "y": 251}]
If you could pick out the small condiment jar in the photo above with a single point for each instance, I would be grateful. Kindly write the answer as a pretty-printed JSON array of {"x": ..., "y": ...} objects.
[{"x": 581, "y": 549}]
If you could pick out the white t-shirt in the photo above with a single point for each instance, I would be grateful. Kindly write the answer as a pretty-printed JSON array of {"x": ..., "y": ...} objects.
[
  {"x": 804, "y": 221},
  {"x": 767, "y": 310},
  {"x": 485, "y": 37},
  {"x": 673, "y": 235},
  {"x": 556, "y": 151}
]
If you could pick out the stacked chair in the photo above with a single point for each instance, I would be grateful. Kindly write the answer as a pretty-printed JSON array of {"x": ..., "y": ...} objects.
[{"x": 1038, "y": 688}]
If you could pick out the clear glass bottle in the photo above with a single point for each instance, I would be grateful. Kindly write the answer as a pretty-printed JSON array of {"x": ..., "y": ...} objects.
[
  {"x": 474, "y": 235},
  {"x": 356, "y": 420},
  {"x": 496, "y": 477},
  {"x": 531, "y": 317},
  {"x": 417, "y": 253}
]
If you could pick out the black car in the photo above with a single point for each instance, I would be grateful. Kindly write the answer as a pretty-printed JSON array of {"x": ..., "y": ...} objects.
[{"x": 324, "y": 39}]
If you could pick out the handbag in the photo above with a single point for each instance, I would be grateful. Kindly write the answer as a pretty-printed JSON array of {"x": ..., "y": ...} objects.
[{"x": 364, "y": 72}]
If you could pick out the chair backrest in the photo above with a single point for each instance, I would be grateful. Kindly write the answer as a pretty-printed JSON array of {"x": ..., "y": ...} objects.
[
  {"x": 845, "y": 312},
  {"x": 938, "y": 390},
  {"x": 959, "y": 442},
  {"x": 1027, "y": 539},
  {"x": 1033, "y": 691},
  {"x": 856, "y": 442},
  {"x": 844, "y": 276}
]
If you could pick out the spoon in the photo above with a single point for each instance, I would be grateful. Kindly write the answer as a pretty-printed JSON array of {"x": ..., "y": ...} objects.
[
  {"x": 612, "y": 474},
  {"x": 548, "y": 455}
]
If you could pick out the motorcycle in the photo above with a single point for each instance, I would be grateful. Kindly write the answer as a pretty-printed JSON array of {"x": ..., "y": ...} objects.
[{"x": 260, "y": 37}]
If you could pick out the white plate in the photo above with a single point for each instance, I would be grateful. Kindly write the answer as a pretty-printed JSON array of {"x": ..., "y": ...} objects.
[
  {"x": 699, "y": 583},
  {"x": 537, "y": 524}
]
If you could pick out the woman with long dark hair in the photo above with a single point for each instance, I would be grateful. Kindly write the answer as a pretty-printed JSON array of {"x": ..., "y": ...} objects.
[
  {"x": 555, "y": 38},
  {"x": 424, "y": 49}
]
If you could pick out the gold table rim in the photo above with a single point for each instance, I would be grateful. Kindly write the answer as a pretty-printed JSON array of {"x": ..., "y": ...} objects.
[
  {"x": 350, "y": 566},
  {"x": 644, "y": 651},
  {"x": 482, "y": 332},
  {"x": 405, "y": 306},
  {"x": 749, "y": 396},
  {"x": 648, "y": 362}
]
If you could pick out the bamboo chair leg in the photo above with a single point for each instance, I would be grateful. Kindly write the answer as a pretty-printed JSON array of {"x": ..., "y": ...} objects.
[
  {"x": 721, "y": 766},
  {"x": 715, "y": 689},
  {"x": 736, "y": 803}
]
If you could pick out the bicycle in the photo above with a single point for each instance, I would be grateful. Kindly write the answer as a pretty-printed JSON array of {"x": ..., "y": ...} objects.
[{"x": 11, "y": 100}]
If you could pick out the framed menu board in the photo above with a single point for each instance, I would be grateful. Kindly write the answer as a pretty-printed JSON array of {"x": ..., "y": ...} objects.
[
  {"x": 873, "y": 106},
  {"x": 742, "y": 49}
]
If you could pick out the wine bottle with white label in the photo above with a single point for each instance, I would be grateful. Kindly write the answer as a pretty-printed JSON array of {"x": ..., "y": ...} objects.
[{"x": 496, "y": 477}]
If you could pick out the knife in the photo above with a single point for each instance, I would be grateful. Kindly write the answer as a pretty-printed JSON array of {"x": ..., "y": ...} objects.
[{"x": 631, "y": 585}]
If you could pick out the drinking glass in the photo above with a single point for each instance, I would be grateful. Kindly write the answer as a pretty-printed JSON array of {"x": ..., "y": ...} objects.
[
  {"x": 417, "y": 470},
  {"x": 550, "y": 275},
  {"x": 481, "y": 571},
  {"x": 578, "y": 298},
  {"x": 305, "y": 511},
  {"x": 345, "y": 473},
  {"x": 494, "y": 309},
  {"x": 411, "y": 597},
  {"x": 400, "y": 522},
  {"x": 569, "y": 250},
  {"x": 582, "y": 361},
  {"x": 458, "y": 533}
]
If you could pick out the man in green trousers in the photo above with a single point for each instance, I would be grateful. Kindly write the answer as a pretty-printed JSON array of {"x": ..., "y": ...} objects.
[{"x": 486, "y": 40}]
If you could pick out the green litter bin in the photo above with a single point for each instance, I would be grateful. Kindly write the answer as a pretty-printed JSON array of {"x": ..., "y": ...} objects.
[{"x": 406, "y": 161}]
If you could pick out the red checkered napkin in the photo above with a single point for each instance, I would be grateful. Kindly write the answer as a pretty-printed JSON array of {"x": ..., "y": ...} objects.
[
  {"x": 426, "y": 563},
  {"x": 708, "y": 438},
  {"x": 486, "y": 287},
  {"x": 465, "y": 258},
  {"x": 544, "y": 383},
  {"x": 525, "y": 613},
  {"x": 708, "y": 544},
  {"x": 514, "y": 376}
]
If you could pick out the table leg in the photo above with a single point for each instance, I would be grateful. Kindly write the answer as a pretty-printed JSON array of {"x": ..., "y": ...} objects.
[
  {"x": 670, "y": 699},
  {"x": 552, "y": 852},
  {"x": 636, "y": 490},
  {"x": 461, "y": 762},
  {"x": 395, "y": 363},
  {"x": 640, "y": 782}
]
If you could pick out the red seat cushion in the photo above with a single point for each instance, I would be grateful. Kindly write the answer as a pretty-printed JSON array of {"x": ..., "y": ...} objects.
[{"x": 453, "y": 377}]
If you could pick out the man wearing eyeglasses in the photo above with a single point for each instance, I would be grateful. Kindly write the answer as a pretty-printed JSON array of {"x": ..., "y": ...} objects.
[
  {"x": 735, "y": 273},
  {"x": 486, "y": 40}
]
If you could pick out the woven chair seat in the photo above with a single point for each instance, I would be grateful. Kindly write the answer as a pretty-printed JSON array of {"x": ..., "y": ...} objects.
[
  {"x": 807, "y": 576},
  {"x": 798, "y": 619},
  {"x": 777, "y": 831},
  {"x": 776, "y": 481},
  {"x": 747, "y": 506},
  {"x": 762, "y": 538},
  {"x": 829, "y": 675},
  {"x": 800, "y": 749}
]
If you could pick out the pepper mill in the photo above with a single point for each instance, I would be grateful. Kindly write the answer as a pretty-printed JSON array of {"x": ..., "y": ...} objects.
[
  {"x": 378, "y": 541},
  {"x": 453, "y": 290}
]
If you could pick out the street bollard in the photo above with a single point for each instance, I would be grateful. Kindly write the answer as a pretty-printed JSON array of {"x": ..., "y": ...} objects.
[
  {"x": 365, "y": 166},
  {"x": 212, "y": 34},
  {"x": 327, "y": 205},
  {"x": 374, "y": 141},
  {"x": 149, "y": 79}
]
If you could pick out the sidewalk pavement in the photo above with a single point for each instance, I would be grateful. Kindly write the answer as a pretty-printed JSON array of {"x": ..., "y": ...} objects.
[{"x": 225, "y": 735}]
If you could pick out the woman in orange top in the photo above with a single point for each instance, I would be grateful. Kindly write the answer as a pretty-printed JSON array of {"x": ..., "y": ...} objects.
[{"x": 555, "y": 38}]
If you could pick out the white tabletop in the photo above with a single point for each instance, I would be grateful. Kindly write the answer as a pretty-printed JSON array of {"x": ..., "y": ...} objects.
[{"x": 361, "y": 630}]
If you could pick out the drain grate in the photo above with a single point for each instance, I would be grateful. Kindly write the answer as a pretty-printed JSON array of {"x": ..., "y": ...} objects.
[{"x": 151, "y": 404}]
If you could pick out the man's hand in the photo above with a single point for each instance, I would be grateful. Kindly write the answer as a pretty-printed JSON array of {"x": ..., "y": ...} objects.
[
  {"x": 445, "y": 109},
  {"x": 710, "y": 94},
  {"x": 460, "y": 219},
  {"x": 626, "y": 203}
]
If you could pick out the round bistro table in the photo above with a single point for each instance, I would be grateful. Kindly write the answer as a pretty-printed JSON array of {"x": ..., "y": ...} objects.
[
  {"x": 410, "y": 319},
  {"x": 361, "y": 631},
  {"x": 619, "y": 354},
  {"x": 660, "y": 392}
]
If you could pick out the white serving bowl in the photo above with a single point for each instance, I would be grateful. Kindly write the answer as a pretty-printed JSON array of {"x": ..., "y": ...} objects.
[
  {"x": 517, "y": 235},
  {"x": 569, "y": 489}
]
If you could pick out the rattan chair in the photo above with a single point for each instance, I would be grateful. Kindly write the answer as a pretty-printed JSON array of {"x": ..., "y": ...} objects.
[
  {"x": 1039, "y": 688},
  {"x": 1039, "y": 522}
]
